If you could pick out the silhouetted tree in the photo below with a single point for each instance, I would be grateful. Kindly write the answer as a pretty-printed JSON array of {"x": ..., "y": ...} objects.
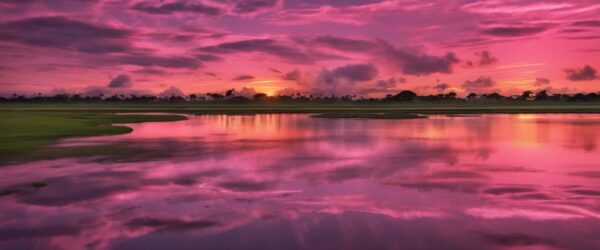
[
  {"x": 592, "y": 97},
  {"x": 451, "y": 95},
  {"x": 579, "y": 97},
  {"x": 260, "y": 97},
  {"x": 403, "y": 96},
  {"x": 472, "y": 96},
  {"x": 229, "y": 93},
  {"x": 238, "y": 98},
  {"x": 215, "y": 96},
  {"x": 492, "y": 96},
  {"x": 541, "y": 96}
]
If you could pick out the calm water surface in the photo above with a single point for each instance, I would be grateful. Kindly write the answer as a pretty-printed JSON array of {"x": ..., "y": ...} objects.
[{"x": 294, "y": 182}]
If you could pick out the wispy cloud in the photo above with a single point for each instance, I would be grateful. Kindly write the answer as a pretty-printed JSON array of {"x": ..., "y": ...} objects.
[{"x": 354, "y": 14}]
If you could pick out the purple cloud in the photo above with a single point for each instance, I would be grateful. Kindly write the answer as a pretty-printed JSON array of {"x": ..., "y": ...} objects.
[
  {"x": 17, "y": 2},
  {"x": 441, "y": 87},
  {"x": 121, "y": 81},
  {"x": 355, "y": 13},
  {"x": 292, "y": 76},
  {"x": 356, "y": 72},
  {"x": 479, "y": 84},
  {"x": 486, "y": 58},
  {"x": 587, "y": 23},
  {"x": 515, "y": 31},
  {"x": 387, "y": 84},
  {"x": 342, "y": 80},
  {"x": 541, "y": 82},
  {"x": 587, "y": 73},
  {"x": 177, "y": 6},
  {"x": 208, "y": 58},
  {"x": 251, "y": 6},
  {"x": 412, "y": 62},
  {"x": 380, "y": 86},
  {"x": 243, "y": 78},
  {"x": 266, "y": 46},
  {"x": 346, "y": 44},
  {"x": 176, "y": 62},
  {"x": 65, "y": 33},
  {"x": 274, "y": 70},
  {"x": 169, "y": 224},
  {"x": 247, "y": 185},
  {"x": 151, "y": 71},
  {"x": 420, "y": 64}
]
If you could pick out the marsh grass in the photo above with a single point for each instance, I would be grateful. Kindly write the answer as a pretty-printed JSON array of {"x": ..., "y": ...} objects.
[{"x": 24, "y": 132}]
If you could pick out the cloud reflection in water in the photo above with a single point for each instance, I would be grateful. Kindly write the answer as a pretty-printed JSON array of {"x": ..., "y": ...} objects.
[{"x": 289, "y": 181}]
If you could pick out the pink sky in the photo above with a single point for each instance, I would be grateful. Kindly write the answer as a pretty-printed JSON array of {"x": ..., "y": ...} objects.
[{"x": 369, "y": 47}]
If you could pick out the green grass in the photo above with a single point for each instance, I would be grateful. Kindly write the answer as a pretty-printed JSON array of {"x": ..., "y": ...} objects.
[{"x": 23, "y": 132}]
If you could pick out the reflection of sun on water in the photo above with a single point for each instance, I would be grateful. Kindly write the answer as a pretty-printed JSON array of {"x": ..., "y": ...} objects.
[
  {"x": 525, "y": 131},
  {"x": 432, "y": 133},
  {"x": 526, "y": 116}
]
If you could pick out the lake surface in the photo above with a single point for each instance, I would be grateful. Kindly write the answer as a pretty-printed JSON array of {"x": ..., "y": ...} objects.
[{"x": 295, "y": 182}]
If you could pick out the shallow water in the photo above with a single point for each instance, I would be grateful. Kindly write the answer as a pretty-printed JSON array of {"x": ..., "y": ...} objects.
[{"x": 294, "y": 182}]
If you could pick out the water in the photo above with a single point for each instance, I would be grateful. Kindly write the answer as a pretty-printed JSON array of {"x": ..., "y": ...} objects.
[{"x": 294, "y": 182}]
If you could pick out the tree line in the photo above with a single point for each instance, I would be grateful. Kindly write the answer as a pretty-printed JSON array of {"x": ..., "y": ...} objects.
[{"x": 230, "y": 97}]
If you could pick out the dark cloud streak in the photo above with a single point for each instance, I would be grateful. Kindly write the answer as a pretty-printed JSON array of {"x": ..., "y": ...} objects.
[
  {"x": 175, "y": 7},
  {"x": 177, "y": 62},
  {"x": 65, "y": 33},
  {"x": 515, "y": 31},
  {"x": 251, "y": 6},
  {"x": 266, "y": 46},
  {"x": 243, "y": 78},
  {"x": 346, "y": 44},
  {"x": 170, "y": 225},
  {"x": 587, "y": 23}
]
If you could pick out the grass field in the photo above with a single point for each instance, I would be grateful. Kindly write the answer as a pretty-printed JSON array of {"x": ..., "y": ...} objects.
[
  {"x": 26, "y": 127},
  {"x": 22, "y": 132}
]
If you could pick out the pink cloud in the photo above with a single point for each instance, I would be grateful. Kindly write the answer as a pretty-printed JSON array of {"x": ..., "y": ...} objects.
[
  {"x": 530, "y": 214},
  {"x": 354, "y": 14},
  {"x": 74, "y": 45}
]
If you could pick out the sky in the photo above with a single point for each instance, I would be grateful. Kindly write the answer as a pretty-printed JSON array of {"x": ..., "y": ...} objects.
[{"x": 320, "y": 47}]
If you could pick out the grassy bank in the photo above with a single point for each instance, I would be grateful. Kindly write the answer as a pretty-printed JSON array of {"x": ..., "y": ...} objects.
[{"x": 23, "y": 132}]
